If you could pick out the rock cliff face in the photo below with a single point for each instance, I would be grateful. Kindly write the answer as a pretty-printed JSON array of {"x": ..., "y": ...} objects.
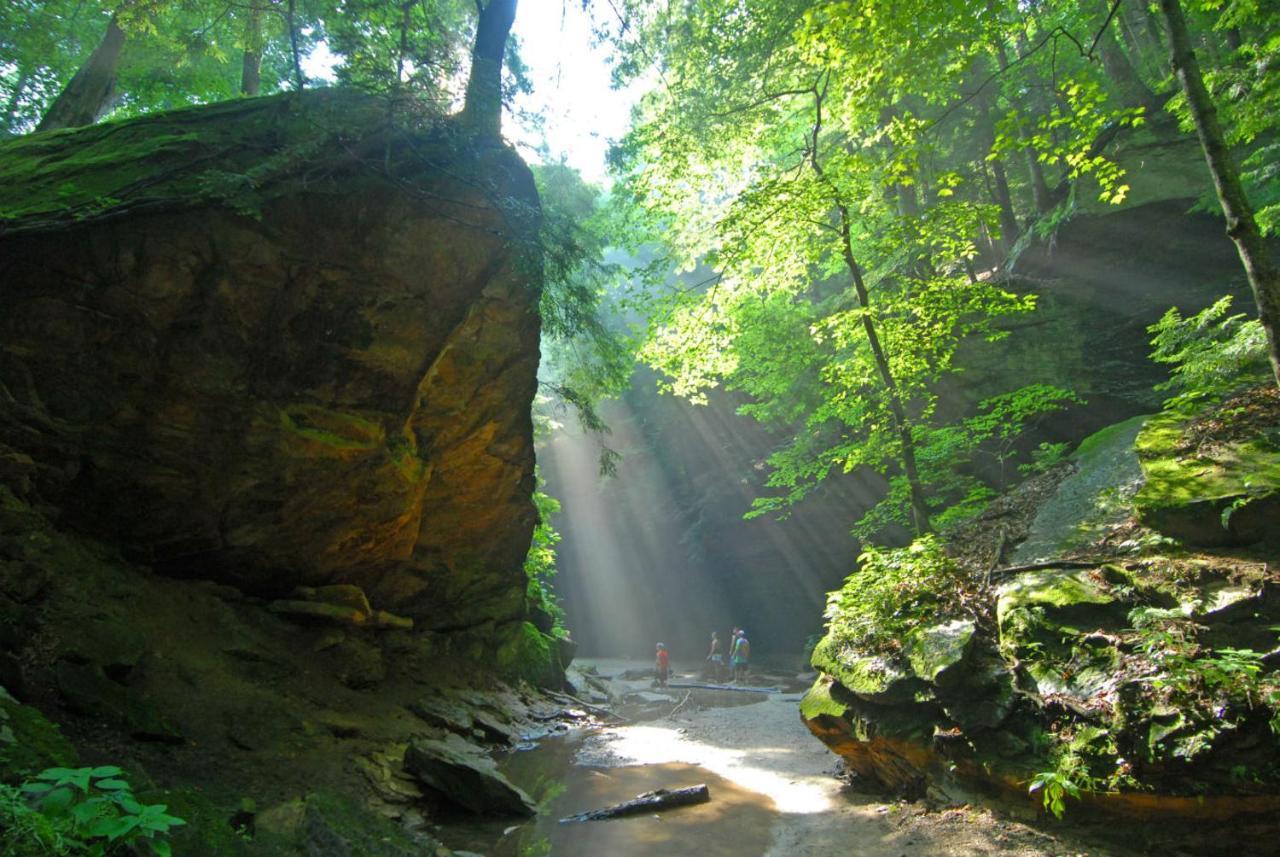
[
  {"x": 1141, "y": 680},
  {"x": 279, "y": 342}
]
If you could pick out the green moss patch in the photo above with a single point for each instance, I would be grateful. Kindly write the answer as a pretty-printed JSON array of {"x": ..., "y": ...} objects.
[
  {"x": 528, "y": 654},
  {"x": 239, "y": 153},
  {"x": 872, "y": 677},
  {"x": 29, "y": 743},
  {"x": 338, "y": 429},
  {"x": 1224, "y": 493},
  {"x": 817, "y": 701}
]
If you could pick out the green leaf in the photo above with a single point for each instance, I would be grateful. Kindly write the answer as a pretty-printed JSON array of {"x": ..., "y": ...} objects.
[{"x": 112, "y": 785}]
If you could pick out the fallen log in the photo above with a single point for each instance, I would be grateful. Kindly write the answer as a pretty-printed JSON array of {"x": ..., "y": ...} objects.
[
  {"x": 569, "y": 698},
  {"x": 646, "y": 803},
  {"x": 706, "y": 686},
  {"x": 998, "y": 573}
]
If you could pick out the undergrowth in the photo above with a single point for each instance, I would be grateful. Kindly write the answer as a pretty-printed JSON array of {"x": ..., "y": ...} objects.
[
  {"x": 81, "y": 811},
  {"x": 894, "y": 591}
]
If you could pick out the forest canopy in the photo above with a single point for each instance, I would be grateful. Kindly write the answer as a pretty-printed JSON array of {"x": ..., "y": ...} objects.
[
  {"x": 861, "y": 177},
  {"x": 857, "y": 176}
]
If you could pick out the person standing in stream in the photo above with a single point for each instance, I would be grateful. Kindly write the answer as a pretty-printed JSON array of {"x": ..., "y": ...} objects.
[
  {"x": 716, "y": 657},
  {"x": 662, "y": 665},
  {"x": 740, "y": 655}
]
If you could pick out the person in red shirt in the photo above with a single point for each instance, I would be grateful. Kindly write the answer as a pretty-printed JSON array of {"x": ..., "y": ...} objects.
[{"x": 662, "y": 665}]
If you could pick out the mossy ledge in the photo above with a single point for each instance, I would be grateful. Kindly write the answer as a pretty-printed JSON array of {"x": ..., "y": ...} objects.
[
  {"x": 1149, "y": 682},
  {"x": 1226, "y": 494}
]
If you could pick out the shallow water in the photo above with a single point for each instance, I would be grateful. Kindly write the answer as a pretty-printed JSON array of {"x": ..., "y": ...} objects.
[{"x": 734, "y": 822}]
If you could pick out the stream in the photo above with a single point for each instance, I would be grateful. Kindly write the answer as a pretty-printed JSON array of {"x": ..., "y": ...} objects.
[{"x": 775, "y": 789}]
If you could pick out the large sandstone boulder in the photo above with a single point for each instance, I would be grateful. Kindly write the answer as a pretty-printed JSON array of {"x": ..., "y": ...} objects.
[{"x": 279, "y": 342}]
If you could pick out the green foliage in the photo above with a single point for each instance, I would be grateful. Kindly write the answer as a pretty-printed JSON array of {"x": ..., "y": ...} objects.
[
  {"x": 1242, "y": 71},
  {"x": 945, "y": 454},
  {"x": 183, "y": 52},
  {"x": 1045, "y": 457},
  {"x": 856, "y": 145},
  {"x": 1211, "y": 689},
  {"x": 1055, "y": 787},
  {"x": 1190, "y": 672},
  {"x": 540, "y": 562},
  {"x": 585, "y": 360},
  {"x": 89, "y": 811},
  {"x": 1212, "y": 352},
  {"x": 892, "y": 592}
]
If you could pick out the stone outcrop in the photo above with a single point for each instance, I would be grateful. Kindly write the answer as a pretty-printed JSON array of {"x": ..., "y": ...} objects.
[
  {"x": 1210, "y": 490},
  {"x": 278, "y": 342},
  {"x": 1145, "y": 682},
  {"x": 462, "y": 774}
]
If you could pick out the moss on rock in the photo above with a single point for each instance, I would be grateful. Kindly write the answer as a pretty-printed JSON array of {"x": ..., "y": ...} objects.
[
  {"x": 29, "y": 742},
  {"x": 872, "y": 677},
  {"x": 1032, "y": 609},
  {"x": 525, "y": 653},
  {"x": 935, "y": 652},
  {"x": 1227, "y": 495},
  {"x": 817, "y": 701}
]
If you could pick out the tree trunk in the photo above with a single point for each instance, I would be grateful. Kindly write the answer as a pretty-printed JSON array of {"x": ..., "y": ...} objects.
[
  {"x": 292, "y": 19},
  {"x": 15, "y": 98},
  {"x": 919, "y": 509},
  {"x": 1129, "y": 33},
  {"x": 1123, "y": 75},
  {"x": 88, "y": 94},
  {"x": 1009, "y": 230},
  {"x": 482, "y": 110},
  {"x": 646, "y": 803},
  {"x": 251, "y": 64},
  {"x": 1040, "y": 194},
  {"x": 1242, "y": 227},
  {"x": 1151, "y": 22}
]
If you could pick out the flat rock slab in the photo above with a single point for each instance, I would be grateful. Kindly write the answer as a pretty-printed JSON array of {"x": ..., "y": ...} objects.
[{"x": 462, "y": 774}]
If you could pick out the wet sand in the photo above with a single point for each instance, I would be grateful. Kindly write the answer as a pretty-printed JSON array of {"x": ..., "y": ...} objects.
[{"x": 775, "y": 791}]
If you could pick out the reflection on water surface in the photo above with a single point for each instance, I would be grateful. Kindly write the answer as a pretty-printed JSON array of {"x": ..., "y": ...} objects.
[{"x": 735, "y": 822}]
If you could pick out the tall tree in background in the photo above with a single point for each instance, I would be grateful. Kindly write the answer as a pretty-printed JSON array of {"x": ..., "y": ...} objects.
[
  {"x": 1242, "y": 226},
  {"x": 251, "y": 62},
  {"x": 804, "y": 151},
  {"x": 70, "y": 62}
]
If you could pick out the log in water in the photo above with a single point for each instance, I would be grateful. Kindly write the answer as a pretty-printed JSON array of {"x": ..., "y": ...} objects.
[{"x": 648, "y": 802}]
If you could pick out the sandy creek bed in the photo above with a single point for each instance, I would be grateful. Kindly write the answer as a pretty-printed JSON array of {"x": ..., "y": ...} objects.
[{"x": 775, "y": 791}]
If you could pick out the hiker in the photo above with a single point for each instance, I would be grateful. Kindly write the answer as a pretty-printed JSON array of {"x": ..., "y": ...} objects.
[
  {"x": 740, "y": 655},
  {"x": 716, "y": 656},
  {"x": 662, "y": 665}
]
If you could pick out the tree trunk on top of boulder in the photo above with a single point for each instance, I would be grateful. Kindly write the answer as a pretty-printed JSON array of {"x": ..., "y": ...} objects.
[
  {"x": 482, "y": 111},
  {"x": 88, "y": 94},
  {"x": 251, "y": 63}
]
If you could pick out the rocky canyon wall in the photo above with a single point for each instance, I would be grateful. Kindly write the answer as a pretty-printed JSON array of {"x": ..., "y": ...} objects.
[
  {"x": 690, "y": 563},
  {"x": 279, "y": 342}
]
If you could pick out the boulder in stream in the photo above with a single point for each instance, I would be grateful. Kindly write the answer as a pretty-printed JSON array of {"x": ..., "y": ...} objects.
[{"x": 462, "y": 774}]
